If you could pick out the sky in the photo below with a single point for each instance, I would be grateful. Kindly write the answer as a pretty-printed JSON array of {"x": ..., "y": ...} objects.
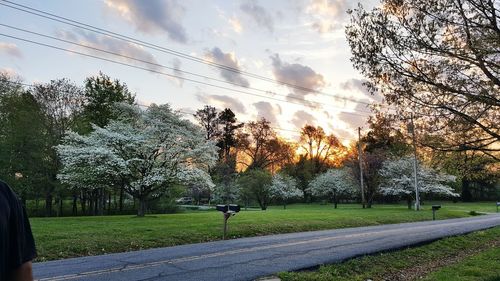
[{"x": 275, "y": 44}]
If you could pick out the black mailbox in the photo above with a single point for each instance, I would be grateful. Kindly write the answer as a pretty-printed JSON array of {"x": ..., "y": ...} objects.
[
  {"x": 222, "y": 208},
  {"x": 234, "y": 208},
  {"x": 227, "y": 211},
  {"x": 436, "y": 207}
]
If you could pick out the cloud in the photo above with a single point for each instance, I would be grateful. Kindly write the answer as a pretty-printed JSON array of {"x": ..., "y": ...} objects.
[
  {"x": 235, "y": 24},
  {"x": 268, "y": 111},
  {"x": 222, "y": 102},
  {"x": 10, "y": 49},
  {"x": 357, "y": 86},
  {"x": 227, "y": 59},
  {"x": 301, "y": 118},
  {"x": 112, "y": 45},
  {"x": 258, "y": 14},
  {"x": 152, "y": 16},
  {"x": 297, "y": 74},
  {"x": 355, "y": 120},
  {"x": 176, "y": 65},
  {"x": 327, "y": 15}
]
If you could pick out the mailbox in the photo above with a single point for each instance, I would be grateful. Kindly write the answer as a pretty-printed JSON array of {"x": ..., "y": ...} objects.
[
  {"x": 222, "y": 208},
  {"x": 227, "y": 211},
  {"x": 498, "y": 205},
  {"x": 231, "y": 208},
  {"x": 234, "y": 208},
  {"x": 434, "y": 209}
]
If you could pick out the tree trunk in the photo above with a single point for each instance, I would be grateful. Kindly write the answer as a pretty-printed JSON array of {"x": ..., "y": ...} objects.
[
  {"x": 121, "y": 198},
  {"x": 409, "y": 200},
  {"x": 100, "y": 200},
  {"x": 466, "y": 194},
  {"x": 109, "y": 203},
  {"x": 74, "y": 209},
  {"x": 262, "y": 204},
  {"x": 284, "y": 205},
  {"x": 142, "y": 207},
  {"x": 60, "y": 207},
  {"x": 48, "y": 204},
  {"x": 83, "y": 203}
]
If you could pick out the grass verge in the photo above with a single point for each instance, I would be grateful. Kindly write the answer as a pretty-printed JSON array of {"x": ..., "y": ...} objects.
[
  {"x": 59, "y": 238},
  {"x": 484, "y": 266},
  {"x": 474, "y": 256}
]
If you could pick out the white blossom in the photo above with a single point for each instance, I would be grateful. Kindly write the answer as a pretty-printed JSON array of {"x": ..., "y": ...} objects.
[
  {"x": 146, "y": 150},
  {"x": 334, "y": 183},
  {"x": 284, "y": 187},
  {"x": 398, "y": 179}
]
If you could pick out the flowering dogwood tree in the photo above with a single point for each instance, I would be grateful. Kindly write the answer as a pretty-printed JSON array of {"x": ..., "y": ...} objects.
[
  {"x": 335, "y": 184},
  {"x": 146, "y": 150},
  {"x": 284, "y": 188},
  {"x": 398, "y": 180}
]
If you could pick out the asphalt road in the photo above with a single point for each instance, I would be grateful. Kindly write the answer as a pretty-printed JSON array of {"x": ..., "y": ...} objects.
[{"x": 250, "y": 258}]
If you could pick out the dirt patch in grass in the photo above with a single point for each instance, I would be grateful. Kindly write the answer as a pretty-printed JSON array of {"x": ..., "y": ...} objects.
[{"x": 420, "y": 271}]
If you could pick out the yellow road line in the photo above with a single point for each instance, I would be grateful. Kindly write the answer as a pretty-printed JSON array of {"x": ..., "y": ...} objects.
[{"x": 239, "y": 251}]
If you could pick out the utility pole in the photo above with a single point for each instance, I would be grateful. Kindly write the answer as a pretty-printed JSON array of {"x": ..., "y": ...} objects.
[
  {"x": 360, "y": 158},
  {"x": 412, "y": 130}
]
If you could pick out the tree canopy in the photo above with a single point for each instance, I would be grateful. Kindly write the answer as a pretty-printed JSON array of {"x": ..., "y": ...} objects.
[
  {"x": 147, "y": 151},
  {"x": 437, "y": 58},
  {"x": 334, "y": 184},
  {"x": 398, "y": 180}
]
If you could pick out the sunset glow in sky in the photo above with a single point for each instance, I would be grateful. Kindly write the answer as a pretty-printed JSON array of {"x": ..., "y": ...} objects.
[{"x": 299, "y": 42}]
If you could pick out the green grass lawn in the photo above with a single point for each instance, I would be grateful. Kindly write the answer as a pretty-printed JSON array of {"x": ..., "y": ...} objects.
[
  {"x": 475, "y": 256},
  {"x": 484, "y": 266},
  {"x": 65, "y": 237}
]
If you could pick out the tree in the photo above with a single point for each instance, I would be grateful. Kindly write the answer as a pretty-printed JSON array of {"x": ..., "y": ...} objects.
[
  {"x": 476, "y": 173},
  {"x": 23, "y": 140},
  {"x": 384, "y": 139},
  {"x": 256, "y": 183},
  {"x": 398, "y": 180},
  {"x": 284, "y": 188},
  {"x": 229, "y": 127},
  {"x": 224, "y": 175},
  {"x": 148, "y": 151},
  {"x": 335, "y": 184},
  {"x": 207, "y": 118},
  {"x": 61, "y": 102},
  {"x": 437, "y": 58},
  {"x": 321, "y": 149},
  {"x": 101, "y": 93},
  {"x": 302, "y": 171},
  {"x": 261, "y": 149}
]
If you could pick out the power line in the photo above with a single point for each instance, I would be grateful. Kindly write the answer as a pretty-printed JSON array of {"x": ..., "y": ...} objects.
[
  {"x": 122, "y": 37},
  {"x": 164, "y": 66},
  {"x": 168, "y": 74},
  {"x": 275, "y": 127},
  {"x": 180, "y": 111}
]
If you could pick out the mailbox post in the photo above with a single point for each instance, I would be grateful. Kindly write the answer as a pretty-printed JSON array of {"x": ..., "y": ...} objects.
[
  {"x": 434, "y": 209},
  {"x": 498, "y": 204},
  {"x": 227, "y": 212}
]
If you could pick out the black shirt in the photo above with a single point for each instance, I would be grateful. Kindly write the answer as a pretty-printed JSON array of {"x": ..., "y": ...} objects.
[{"x": 17, "y": 245}]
